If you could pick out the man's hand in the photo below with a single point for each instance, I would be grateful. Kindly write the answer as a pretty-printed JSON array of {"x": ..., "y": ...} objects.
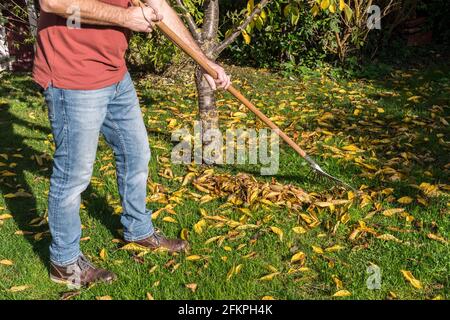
[
  {"x": 141, "y": 19},
  {"x": 223, "y": 80}
]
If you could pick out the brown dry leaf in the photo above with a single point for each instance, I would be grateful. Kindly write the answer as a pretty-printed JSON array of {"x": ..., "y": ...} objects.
[
  {"x": 69, "y": 295},
  {"x": 342, "y": 293},
  {"x": 192, "y": 286},
  {"x": 149, "y": 296},
  {"x": 409, "y": 276}
]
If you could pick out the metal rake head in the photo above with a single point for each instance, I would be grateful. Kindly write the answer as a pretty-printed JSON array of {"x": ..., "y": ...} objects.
[{"x": 323, "y": 176}]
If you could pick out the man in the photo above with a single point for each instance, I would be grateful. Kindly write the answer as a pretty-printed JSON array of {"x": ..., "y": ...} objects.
[{"x": 88, "y": 91}]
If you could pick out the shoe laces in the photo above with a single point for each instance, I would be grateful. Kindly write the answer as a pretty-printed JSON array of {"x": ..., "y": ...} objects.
[{"x": 84, "y": 263}]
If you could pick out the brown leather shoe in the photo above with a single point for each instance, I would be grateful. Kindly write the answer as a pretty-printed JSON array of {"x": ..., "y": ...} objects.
[
  {"x": 80, "y": 273},
  {"x": 159, "y": 241}
]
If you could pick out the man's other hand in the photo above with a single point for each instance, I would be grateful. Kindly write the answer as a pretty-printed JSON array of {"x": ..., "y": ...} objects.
[
  {"x": 223, "y": 81},
  {"x": 141, "y": 19}
]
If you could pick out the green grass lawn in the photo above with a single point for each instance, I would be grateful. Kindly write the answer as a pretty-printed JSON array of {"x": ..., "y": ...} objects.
[{"x": 388, "y": 135}]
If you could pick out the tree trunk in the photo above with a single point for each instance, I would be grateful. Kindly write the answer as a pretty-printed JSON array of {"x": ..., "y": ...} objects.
[{"x": 209, "y": 118}]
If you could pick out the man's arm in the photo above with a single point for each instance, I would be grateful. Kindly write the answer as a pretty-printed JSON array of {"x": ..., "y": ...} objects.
[
  {"x": 97, "y": 12},
  {"x": 174, "y": 22}
]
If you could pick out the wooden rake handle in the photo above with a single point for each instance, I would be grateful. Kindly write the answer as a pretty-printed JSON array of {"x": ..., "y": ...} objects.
[{"x": 204, "y": 63}]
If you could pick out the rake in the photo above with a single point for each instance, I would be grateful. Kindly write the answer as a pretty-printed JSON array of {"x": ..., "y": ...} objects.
[{"x": 203, "y": 62}]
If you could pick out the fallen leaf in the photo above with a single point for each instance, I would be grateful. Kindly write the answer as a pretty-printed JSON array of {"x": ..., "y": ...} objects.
[
  {"x": 193, "y": 257},
  {"x": 149, "y": 296},
  {"x": 342, "y": 293},
  {"x": 409, "y": 276},
  {"x": 269, "y": 276},
  {"x": 18, "y": 288},
  {"x": 5, "y": 216},
  {"x": 278, "y": 232},
  {"x": 405, "y": 200},
  {"x": 134, "y": 247},
  {"x": 192, "y": 286},
  {"x": 104, "y": 298},
  {"x": 6, "y": 262},
  {"x": 298, "y": 257}
]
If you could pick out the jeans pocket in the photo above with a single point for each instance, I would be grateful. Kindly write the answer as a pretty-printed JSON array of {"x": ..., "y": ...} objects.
[{"x": 49, "y": 100}]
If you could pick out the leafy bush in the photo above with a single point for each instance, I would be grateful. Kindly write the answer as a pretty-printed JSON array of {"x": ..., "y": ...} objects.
[{"x": 290, "y": 37}]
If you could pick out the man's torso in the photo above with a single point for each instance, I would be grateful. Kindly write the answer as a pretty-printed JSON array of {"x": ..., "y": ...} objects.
[{"x": 86, "y": 58}]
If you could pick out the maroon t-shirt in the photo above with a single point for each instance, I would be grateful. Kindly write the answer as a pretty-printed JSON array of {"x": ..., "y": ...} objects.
[{"x": 91, "y": 57}]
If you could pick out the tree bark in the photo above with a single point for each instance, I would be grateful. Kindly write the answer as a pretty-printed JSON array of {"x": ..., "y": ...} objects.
[{"x": 209, "y": 117}]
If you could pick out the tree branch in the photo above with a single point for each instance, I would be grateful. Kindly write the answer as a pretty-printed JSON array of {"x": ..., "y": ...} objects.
[
  {"x": 193, "y": 28},
  {"x": 237, "y": 31}
]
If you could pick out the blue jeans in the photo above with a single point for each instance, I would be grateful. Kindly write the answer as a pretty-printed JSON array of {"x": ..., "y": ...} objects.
[{"x": 77, "y": 117}]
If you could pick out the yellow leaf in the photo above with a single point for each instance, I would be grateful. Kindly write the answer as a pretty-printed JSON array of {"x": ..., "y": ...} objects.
[
  {"x": 104, "y": 298},
  {"x": 246, "y": 36},
  {"x": 149, "y": 296},
  {"x": 414, "y": 282},
  {"x": 336, "y": 247},
  {"x": 341, "y": 5},
  {"x": 169, "y": 219},
  {"x": 325, "y": 4},
  {"x": 298, "y": 257},
  {"x": 405, "y": 200},
  {"x": 391, "y": 212},
  {"x": 299, "y": 230},
  {"x": 269, "y": 277},
  {"x": 198, "y": 227},
  {"x": 332, "y": 8},
  {"x": 103, "y": 254},
  {"x": 388, "y": 237},
  {"x": 267, "y": 298},
  {"x": 278, "y": 232},
  {"x": 134, "y": 247},
  {"x": 6, "y": 262},
  {"x": 184, "y": 234},
  {"x": 5, "y": 216},
  {"x": 18, "y": 288},
  {"x": 193, "y": 257},
  {"x": 342, "y": 293},
  {"x": 437, "y": 238},
  {"x": 318, "y": 250},
  {"x": 315, "y": 10},
  {"x": 351, "y": 147},
  {"x": 187, "y": 179}
]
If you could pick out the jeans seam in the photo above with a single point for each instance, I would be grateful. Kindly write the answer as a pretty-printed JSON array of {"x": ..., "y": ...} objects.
[
  {"x": 125, "y": 156},
  {"x": 66, "y": 167}
]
